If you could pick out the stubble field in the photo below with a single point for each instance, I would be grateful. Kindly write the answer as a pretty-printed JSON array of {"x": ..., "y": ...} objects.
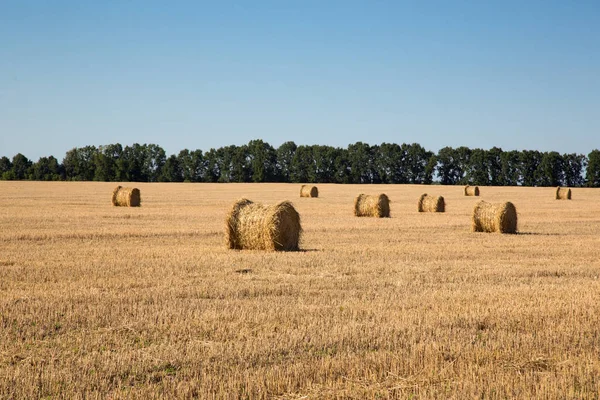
[{"x": 111, "y": 302}]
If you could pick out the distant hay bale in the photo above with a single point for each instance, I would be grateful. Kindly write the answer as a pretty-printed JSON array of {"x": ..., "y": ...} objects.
[
  {"x": 253, "y": 226},
  {"x": 126, "y": 197},
  {"x": 372, "y": 206},
  {"x": 563, "y": 193},
  {"x": 498, "y": 217},
  {"x": 471, "y": 190},
  {"x": 309, "y": 191},
  {"x": 431, "y": 203}
]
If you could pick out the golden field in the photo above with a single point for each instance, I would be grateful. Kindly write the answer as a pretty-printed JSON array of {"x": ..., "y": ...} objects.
[{"x": 103, "y": 302}]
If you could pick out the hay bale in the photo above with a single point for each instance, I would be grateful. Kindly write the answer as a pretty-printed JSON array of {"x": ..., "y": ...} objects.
[
  {"x": 372, "y": 206},
  {"x": 471, "y": 190},
  {"x": 498, "y": 217},
  {"x": 309, "y": 191},
  {"x": 563, "y": 193},
  {"x": 431, "y": 203},
  {"x": 253, "y": 226},
  {"x": 126, "y": 197}
]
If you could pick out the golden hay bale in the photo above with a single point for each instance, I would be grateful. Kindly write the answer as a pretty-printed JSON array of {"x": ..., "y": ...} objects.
[
  {"x": 431, "y": 203},
  {"x": 498, "y": 217},
  {"x": 372, "y": 206},
  {"x": 309, "y": 191},
  {"x": 471, "y": 190},
  {"x": 126, "y": 197},
  {"x": 253, "y": 226},
  {"x": 563, "y": 193}
]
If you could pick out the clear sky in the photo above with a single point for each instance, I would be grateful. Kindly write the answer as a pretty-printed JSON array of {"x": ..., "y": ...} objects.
[{"x": 203, "y": 74}]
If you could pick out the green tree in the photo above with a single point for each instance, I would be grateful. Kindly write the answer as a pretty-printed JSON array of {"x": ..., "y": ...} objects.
[
  {"x": 171, "y": 170},
  {"x": 550, "y": 170},
  {"x": 494, "y": 162},
  {"x": 390, "y": 163},
  {"x": 509, "y": 167},
  {"x": 592, "y": 175},
  {"x": 193, "y": 165},
  {"x": 573, "y": 165},
  {"x": 477, "y": 172},
  {"x": 285, "y": 156},
  {"x": 154, "y": 161},
  {"x": 46, "y": 169},
  {"x": 324, "y": 164},
  {"x": 262, "y": 161},
  {"x": 20, "y": 167},
  {"x": 302, "y": 166},
  {"x": 5, "y": 168},
  {"x": 452, "y": 165},
  {"x": 79, "y": 163},
  {"x": 363, "y": 167},
  {"x": 106, "y": 163},
  {"x": 213, "y": 166},
  {"x": 529, "y": 160}
]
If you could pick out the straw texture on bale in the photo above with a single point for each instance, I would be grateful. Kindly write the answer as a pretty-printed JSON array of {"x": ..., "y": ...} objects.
[
  {"x": 563, "y": 193},
  {"x": 254, "y": 226},
  {"x": 431, "y": 203},
  {"x": 309, "y": 191},
  {"x": 471, "y": 190},
  {"x": 126, "y": 197},
  {"x": 494, "y": 217},
  {"x": 372, "y": 206}
]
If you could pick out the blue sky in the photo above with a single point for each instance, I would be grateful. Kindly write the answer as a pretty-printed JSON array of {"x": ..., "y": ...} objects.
[{"x": 197, "y": 75}]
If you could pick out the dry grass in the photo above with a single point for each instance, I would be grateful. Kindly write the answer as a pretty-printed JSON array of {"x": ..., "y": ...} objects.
[
  {"x": 366, "y": 205},
  {"x": 471, "y": 190},
  {"x": 99, "y": 302},
  {"x": 253, "y": 226},
  {"x": 428, "y": 203},
  {"x": 126, "y": 197},
  {"x": 563, "y": 193},
  {"x": 496, "y": 217},
  {"x": 309, "y": 191}
]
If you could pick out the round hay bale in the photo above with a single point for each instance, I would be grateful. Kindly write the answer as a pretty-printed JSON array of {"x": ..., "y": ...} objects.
[
  {"x": 372, "y": 206},
  {"x": 471, "y": 190},
  {"x": 431, "y": 203},
  {"x": 563, "y": 193},
  {"x": 494, "y": 217},
  {"x": 309, "y": 191},
  {"x": 126, "y": 197},
  {"x": 253, "y": 226}
]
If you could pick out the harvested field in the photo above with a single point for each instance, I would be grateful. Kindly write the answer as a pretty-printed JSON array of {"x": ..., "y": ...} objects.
[{"x": 147, "y": 302}]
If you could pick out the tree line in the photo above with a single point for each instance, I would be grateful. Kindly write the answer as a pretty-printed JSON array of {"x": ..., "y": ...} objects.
[{"x": 360, "y": 162}]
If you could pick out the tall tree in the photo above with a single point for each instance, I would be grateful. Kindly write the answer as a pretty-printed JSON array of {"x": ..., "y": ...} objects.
[
  {"x": 362, "y": 163},
  {"x": 5, "y": 168},
  {"x": 592, "y": 176},
  {"x": 477, "y": 172},
  {"x": 573, "y": 165},
  {"x": 46, "y": 169},
  {"x": 262, "y": 160},
  {"x": 509, "y": 166},
  {"x": 131, "y": 164},
  {"x": 302, "y": 166},
  {"x": 390, "y": 163},
  {"x": 79, "y": 163},
  {"x": 285, "y": 156},
  {"x": 106, "y": 163},
  {"x": 529, "y": 160},
  {"x": 154, "y": 161},
  {"x": 494, "y": 162},
  {"x": 171, "y": 170},
  {"x": 419, "y": 164},
  {"x": 20, "y": 167},
  {"x": 550, "y": 170},
  {"x": 193, "y": 165}
]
